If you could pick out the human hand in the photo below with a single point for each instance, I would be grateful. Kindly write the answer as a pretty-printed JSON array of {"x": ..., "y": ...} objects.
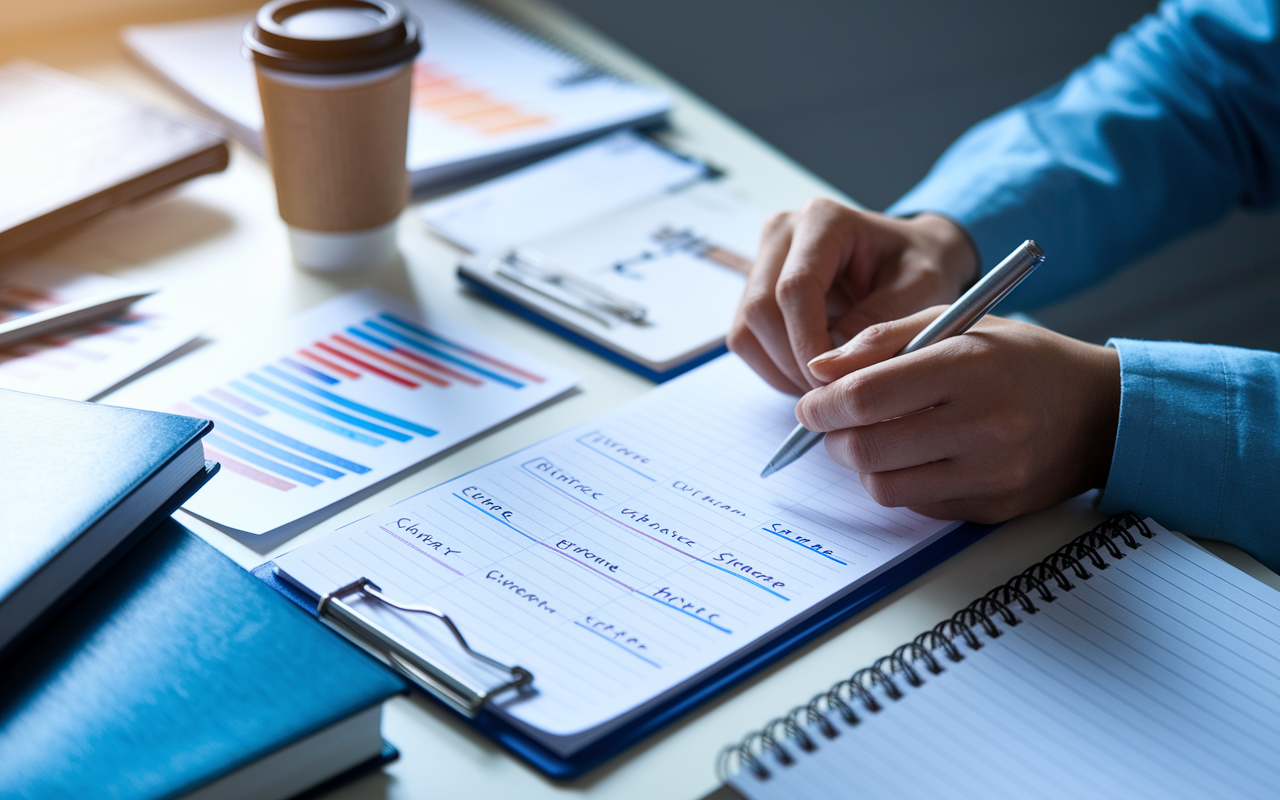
[
  {"x": 1005, "y": 419},
  {"x": 831, "y": 269}
]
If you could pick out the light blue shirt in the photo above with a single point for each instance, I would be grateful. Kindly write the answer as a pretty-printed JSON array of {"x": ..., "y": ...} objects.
[{"x": 1174, "y": 126}]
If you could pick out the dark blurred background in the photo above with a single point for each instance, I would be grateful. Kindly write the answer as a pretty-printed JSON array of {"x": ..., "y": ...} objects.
[{"x": 867, "y": 95}]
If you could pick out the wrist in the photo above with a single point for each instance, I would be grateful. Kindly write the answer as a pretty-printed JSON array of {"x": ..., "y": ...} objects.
[
  {"x": 956, "y": 256},
  {"x": 1105, "y": 403}
]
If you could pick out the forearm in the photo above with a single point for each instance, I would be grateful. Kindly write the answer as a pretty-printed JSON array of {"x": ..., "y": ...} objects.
[
  {"x": 1177, "y": 123},
  {"x": 1198, "y": 442}
]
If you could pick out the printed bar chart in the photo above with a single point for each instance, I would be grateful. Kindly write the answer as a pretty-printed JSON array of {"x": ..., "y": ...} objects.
[{"x": 351, "y": 393}]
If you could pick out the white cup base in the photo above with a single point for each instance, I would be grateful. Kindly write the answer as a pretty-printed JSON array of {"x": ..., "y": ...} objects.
[{"x": 324, "y": 251}]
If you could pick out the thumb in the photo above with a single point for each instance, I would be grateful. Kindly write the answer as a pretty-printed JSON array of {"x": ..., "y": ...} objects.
[{"x": 872, "y": 345}]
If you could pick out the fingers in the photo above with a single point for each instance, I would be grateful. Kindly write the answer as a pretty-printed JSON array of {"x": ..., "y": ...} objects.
[
  {"x": 823, "y": 241},
  {"x": 759, "y": 332},
  {"x": 744, "y": 343},
  {"x": 873, "y": 344},
  {"x": 935, "y": 434},
  {"x": 942, "y": 490},
  {"x": 895, "y": 294}
]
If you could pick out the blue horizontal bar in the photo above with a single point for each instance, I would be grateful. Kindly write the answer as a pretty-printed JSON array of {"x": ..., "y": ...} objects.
[
  {"x": 287, "y": 441},
  {"x": 351, "y": 404},
  {"x": 438, "y": 353},
  {"x": 342, "y": 416},
  {"x": 305, "y": 370},
  {"x": 278, "y": 452},
  {"x": 323, "y": 424},
  {"x": 254, "y": 458}
]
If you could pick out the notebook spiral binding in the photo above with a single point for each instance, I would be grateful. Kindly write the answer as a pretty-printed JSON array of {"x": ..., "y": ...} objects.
[{"x": 906, "y": 662}]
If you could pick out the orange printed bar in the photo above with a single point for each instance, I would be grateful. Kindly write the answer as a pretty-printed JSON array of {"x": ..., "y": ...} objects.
[
  {"x": 391, "y": 361},
  {"x": 507, "y": 123},
  {"x": 324, "y": 362},
  {"x": 432, "y": 96},
  {"x": 366, "y": 366},
  {"x": 467, "y": 105}
]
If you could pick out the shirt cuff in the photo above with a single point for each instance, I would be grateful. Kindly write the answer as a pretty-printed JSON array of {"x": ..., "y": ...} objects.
[{"x": 1192, "y": 447}]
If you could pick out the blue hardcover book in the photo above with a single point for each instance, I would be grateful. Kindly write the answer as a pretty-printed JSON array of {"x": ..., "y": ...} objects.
[
  {"x": 177, "y": 672},
  {"x": 76, "y": 481}
]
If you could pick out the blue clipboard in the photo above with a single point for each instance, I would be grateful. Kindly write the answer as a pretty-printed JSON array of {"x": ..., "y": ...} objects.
[{"x": 710, "y": 686}]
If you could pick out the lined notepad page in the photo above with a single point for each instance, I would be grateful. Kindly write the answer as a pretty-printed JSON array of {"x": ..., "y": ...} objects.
[
  {"x": 1157, "y": 677},
  {"x": 621, "y": 558}
]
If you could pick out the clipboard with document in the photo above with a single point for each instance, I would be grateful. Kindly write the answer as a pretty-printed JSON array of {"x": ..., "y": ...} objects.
[
  {"x": 653, "y": 287},
  {"x": 619, "y": 245},
  {"x": 604, "y": 582}
]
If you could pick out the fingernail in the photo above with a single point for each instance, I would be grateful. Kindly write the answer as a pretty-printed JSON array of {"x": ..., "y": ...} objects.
[{"x": 830, "y": 355}]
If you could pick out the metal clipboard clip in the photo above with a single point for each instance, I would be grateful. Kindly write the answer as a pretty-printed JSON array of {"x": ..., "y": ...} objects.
[
  {"x": 538, "y": 273},
  {"x": 458, "y": 693}
]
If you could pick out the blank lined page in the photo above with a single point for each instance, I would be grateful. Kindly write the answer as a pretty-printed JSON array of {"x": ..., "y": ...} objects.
[
  {"x": 1156, "y": 677},
  {"x": 623, "y": 557}
]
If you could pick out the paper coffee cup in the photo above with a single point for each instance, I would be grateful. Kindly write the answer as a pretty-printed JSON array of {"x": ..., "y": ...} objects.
[{"x": 334, "y": 77}]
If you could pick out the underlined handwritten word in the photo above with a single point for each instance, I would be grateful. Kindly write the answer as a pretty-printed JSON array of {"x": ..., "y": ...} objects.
[
  {"x": 586, "y": 554},
  {"x": 694, "y": 493},
  {"x": 559, "y": 477},
  {"x": 667, "y": 595},
  {"x": 486, "y": 502},
  {"x": 732, "y": 561},
  {"x": 795, "y": 537},
  {"x": 620, "y": 635},
  {"x": 644, "y": 520},
  {"x": 522, "y": 592},
  {"x": 425, "y": 538}
]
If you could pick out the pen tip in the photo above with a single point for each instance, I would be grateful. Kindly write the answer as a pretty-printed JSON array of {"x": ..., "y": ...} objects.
[{"x": 768, "y": 470}]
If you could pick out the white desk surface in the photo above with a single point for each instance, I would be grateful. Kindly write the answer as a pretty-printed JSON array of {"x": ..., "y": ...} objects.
[{"x": 219, "y": 243}]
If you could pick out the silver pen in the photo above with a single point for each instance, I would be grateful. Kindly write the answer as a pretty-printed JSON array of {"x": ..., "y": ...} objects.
[
  {"x": 69, "y": 315},
  {"x": 959, "y": 317}
]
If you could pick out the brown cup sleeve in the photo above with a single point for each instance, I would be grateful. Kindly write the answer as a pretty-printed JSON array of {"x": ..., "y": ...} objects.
[{"x": 338, "y": 153}]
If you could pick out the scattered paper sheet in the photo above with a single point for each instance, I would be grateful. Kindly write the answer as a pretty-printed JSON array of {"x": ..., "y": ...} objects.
[
  {"x": 483, "y": 91},
  {"x": 587, "y": 182},
  {"x": 83, "y": 363},
  {"x": 349, "y": 393}
]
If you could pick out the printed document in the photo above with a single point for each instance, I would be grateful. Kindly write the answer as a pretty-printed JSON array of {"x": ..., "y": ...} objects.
[{"x": 346, "y": 395}]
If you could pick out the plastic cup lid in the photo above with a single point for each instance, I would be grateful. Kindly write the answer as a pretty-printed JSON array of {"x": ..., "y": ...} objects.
[{"x": 331, "y": 36}]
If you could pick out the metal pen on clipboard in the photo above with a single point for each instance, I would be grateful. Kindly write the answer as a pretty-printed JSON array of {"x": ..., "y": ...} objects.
[{"x": 538, "y": 273}]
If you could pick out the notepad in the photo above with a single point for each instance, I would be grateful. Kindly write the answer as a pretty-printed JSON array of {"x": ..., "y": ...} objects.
[
  {"x": 1143, "y": 671},
  {"x": 344, "y": 396},
  {"x": 622, "y": 559}
]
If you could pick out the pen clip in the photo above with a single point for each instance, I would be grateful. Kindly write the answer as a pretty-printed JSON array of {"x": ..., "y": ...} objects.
[
  {"x": 537, "y": 272},
  {"x": 456, "y": 692}
]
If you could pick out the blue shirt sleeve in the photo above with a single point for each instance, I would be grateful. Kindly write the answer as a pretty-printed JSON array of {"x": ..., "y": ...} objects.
[
  {"x": 1198, "y": 446},
  {"x": 1177, "y": 123}
]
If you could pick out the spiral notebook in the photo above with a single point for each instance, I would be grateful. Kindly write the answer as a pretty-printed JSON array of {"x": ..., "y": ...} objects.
[{"x": 1130, "y": 663}]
